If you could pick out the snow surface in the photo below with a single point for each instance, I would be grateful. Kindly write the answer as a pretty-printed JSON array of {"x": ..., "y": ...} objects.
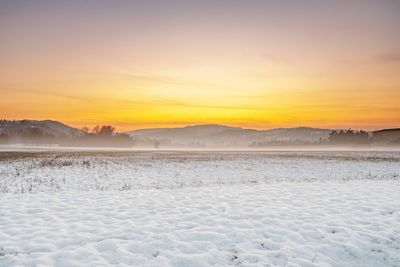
[
  {"x": 50, "y": 172},
  {"x": 200, "y": 209}
]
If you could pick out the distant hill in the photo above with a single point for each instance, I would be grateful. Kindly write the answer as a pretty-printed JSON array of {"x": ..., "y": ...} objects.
[
  {"x": 387, "y": 136},
  {"x": 54, "y": 133},
  {"x": 21, "y": 128},
  {"x": 213, "y": 135},
  {"x": 194, "y": 136}
]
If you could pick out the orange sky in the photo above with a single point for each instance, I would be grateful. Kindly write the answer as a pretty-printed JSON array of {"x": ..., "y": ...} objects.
[{"x": 155, "y": 64}]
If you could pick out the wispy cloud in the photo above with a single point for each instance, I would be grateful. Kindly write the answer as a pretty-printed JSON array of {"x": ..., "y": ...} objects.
[
  {"x": 389, "y": 58},
  {"x": 382, "y": 58},
  {"x": 152, "y": 78},
  {"x": 176, "y": 103},
  {"x": 151, "y": 101},
  {"x": 42, "y": 92}
]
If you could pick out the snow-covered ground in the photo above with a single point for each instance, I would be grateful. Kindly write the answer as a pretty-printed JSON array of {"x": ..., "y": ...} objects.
[
  {"x": 84, "y": 171},
  {"x": 200, "y": 209}
]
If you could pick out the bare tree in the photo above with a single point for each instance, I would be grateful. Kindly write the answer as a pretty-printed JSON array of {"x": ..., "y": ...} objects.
[
  {"x": 96, "y": 130},
  {"x": 106, "y": 130}
]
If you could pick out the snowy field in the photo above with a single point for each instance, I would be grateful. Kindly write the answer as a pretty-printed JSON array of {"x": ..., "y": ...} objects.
[{"x": 199, "y": 208}]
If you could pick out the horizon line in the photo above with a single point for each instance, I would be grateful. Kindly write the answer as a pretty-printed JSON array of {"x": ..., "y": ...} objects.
[{"x": 206, "y": 124}]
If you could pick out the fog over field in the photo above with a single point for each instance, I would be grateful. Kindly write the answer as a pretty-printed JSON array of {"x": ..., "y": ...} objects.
[{"x": 206, "y": 136}]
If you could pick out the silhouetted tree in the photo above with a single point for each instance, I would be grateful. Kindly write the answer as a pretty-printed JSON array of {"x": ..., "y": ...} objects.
[
  {"x": 96, "y": 130},
  {"x": 349, "y": 137},
  {"x": 106, "y": 130}
]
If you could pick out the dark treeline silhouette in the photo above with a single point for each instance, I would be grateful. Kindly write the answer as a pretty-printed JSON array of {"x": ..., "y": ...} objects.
[
  {"x": 30, "y": 136},
  {"x": 101, "y": 136},
  {"x": 387, "y": 137},
  {"x": 349, "y": 137},
  {"x": 342, "y": 137}
]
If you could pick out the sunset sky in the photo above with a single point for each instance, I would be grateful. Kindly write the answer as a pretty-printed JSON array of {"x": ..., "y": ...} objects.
[{"x": 255, "y": 64}]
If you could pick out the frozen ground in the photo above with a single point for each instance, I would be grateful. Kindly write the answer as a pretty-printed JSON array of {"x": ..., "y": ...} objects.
[
  {"x": 85, "y": 171},
  {"x": 200, "y": 209}
]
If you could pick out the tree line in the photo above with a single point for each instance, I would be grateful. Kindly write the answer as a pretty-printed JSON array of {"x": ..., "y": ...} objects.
[
  {"x": 347, "y": 137},
  {"x": 97, "y": 136},
  {"x": 102, "y": 136}
]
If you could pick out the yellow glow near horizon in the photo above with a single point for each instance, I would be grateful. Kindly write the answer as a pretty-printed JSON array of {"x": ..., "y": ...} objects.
[{"x": 182, "y": 98}]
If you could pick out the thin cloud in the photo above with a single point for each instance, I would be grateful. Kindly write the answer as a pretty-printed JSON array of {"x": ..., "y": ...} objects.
[
  {"x": 389, "y": 58},
  {"x": 152, "y": 101},
  {"x": 153, "y": 78},
  {"x": 169, "y": 102},
  {"x": 383, "y": 58},
  {"x": 44, "y": 92}
]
